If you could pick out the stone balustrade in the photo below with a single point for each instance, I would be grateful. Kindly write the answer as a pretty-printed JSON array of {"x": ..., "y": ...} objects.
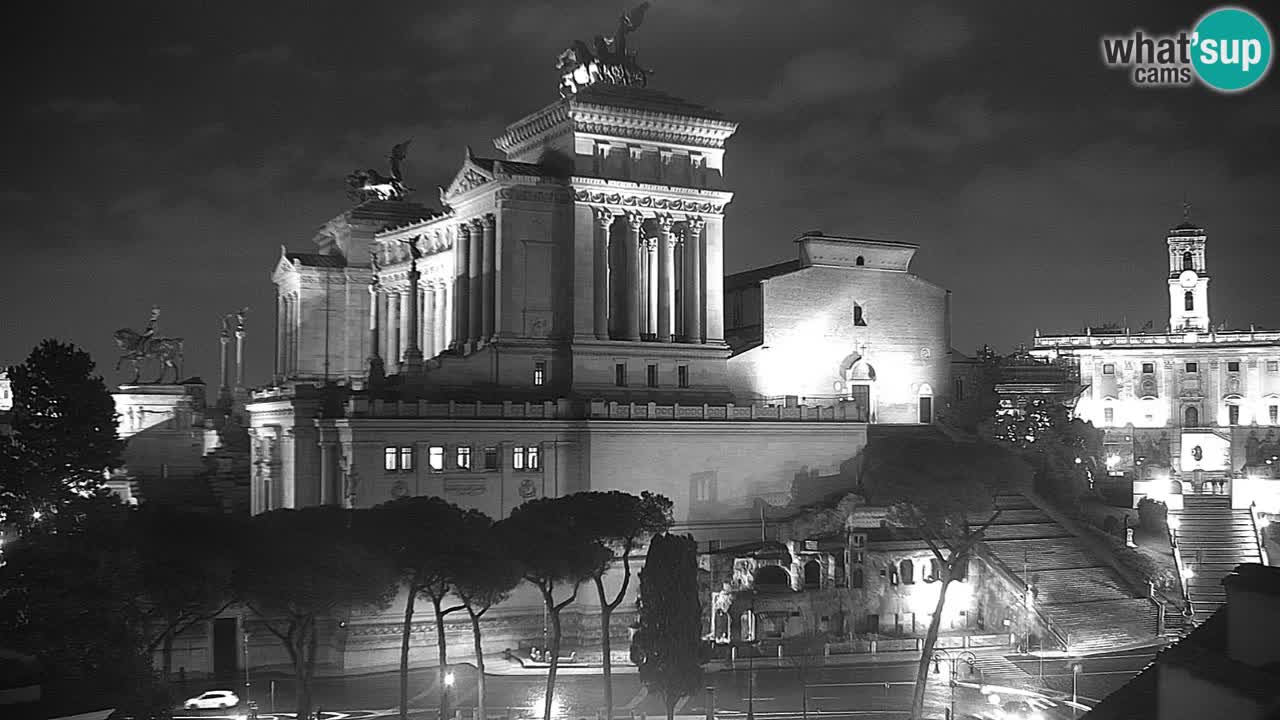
[
  {"x": 601, "y": 410},
  {"x": 564, "y": 409}
]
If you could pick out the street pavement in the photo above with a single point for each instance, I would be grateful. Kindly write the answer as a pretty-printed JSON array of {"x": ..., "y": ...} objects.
[{"x": 769, "y": 689}]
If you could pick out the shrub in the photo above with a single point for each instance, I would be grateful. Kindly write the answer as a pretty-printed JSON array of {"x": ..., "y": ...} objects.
[{"x": 1153, "y": 515}]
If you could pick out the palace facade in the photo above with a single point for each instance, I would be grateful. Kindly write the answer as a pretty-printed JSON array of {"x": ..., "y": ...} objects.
[{"x": 1192, "y": 408}]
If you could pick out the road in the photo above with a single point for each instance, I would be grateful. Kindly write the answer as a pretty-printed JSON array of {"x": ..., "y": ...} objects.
[{"x": 869, "y": 691}]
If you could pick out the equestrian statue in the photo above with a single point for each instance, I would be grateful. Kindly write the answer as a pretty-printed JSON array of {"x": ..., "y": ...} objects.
[{"x": 138, "y": 346}]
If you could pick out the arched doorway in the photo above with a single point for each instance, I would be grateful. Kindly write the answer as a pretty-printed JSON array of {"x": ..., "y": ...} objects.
[
  {"x": 720, "y": 624},
  {"x": 772, "y": 577},
  {"x": 859, "y": 381},
  {"x": 1191, "y": 416},
  {"x": 812, "y": 574}
]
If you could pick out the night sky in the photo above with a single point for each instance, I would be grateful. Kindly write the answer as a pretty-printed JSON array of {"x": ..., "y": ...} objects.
[{"x": 160, "y": 153}]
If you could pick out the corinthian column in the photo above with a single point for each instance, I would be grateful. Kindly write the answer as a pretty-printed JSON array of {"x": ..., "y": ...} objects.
[
  {"x": 487, "y": 271},
  {"x": 393, "y": 327},
  {"x": 651, "y": 287},
  {"x": 666, "y": 278},
  {"x": 602, "y": 292},
  {"x": 693, "y": 280},
  {"x": 412, "y": 323},
  {"x": 631, "y": 292},
  {"x": 461, "y": 285},
  {"x": 475, "y": 284}
]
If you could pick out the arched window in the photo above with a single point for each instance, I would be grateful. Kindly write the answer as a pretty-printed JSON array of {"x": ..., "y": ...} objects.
[
  {"x": 860, "y": 261},
  {"x": 856, "y": 578},
  {"x": 907, "y": 571},
  {"x": 772, "y": 577},
  {"x": 1188, "y": 300},
  {"x": 812, "y": 574},
  {"x": 1191, "y": 417},
  {"x": 1188, "y": 261},
  {"x": 857, "y": 316},
  {"x": 1175, "y": 487},
  {"x": 934, "y": 571}
]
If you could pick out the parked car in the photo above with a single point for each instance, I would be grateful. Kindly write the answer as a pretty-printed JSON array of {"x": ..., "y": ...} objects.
[
  {"x": 1020, "y": 710},
  {"x": 212, "y": 700}
]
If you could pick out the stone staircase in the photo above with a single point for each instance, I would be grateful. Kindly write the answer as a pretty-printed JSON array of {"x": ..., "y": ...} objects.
[
  {"x": 1213, "y": 539},
  {"x": 1080, "y": 594}
]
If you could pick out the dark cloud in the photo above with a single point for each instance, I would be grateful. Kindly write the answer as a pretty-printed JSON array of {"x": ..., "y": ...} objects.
[{"x": 163, "y": 153}]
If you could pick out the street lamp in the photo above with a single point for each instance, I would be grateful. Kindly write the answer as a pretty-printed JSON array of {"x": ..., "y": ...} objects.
[
  {"x": 449, "y": 679},
  {"x": 940, "y": 654},
  {"x": 1075, "y": 673},
  {"x": 245, "y": 645}
]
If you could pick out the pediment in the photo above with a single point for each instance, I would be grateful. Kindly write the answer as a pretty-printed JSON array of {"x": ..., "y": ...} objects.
[
  {"x": 470, "y": 176},
  {"x": 284, "y": 266}
]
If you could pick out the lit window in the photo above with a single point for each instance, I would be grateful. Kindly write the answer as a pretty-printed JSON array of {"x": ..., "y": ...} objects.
[
  {"x": 1193, "y": 367},
  {"x": 1233, "y": 414},
  {"x": 1273, "y": 366},
  {"x": 1109, "y": 369},
  {"x": 1108, "y": 415},
  {"x": 435, "y": 458},
  {"x": 526, "y": 458},
  {"x": 651, "y": 375},
  {"x": 463, "y": 458},
  {"x": 540, "y": 372},
  {"x": 620, "y": 374},
  {"x": 389, "y": 456},
  {"x": 1148, "y": 368},
  {"x": 491, "y": 458},
  {"x": 1233, "y": 366},
  {"x": 682, "y": 376},
  {"x": 406, "y": 459}
]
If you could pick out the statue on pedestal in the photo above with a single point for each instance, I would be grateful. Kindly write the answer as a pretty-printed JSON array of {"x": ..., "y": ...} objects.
[
  {"x": 369, "y": 184},
  {"x": 138, "y": 346},
  {"x": 607, "y": 61}
]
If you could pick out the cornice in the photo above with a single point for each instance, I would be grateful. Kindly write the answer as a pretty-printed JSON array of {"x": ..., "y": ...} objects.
[
  {"x": 639, "y": 124},
  {"x": 642, "y": 196},
  {"x": 532, "y": 127}
]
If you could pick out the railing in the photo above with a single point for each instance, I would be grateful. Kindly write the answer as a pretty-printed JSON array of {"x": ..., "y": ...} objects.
[
  {"x": 1012, "y": 578},
  {"x": 363, "y": 407},
  {"x": 1177, "y": 560},
  {"x": 1257, "y": 533},
  {"x": 601, "y": 410}
]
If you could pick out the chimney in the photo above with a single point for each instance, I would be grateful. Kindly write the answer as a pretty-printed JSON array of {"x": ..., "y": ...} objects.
[{"x": 1253, "y": 614}]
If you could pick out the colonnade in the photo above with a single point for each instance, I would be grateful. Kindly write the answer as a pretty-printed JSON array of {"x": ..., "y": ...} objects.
[
  {"x": 649, "y": 277},
  {"x": 447, "y": 312}
]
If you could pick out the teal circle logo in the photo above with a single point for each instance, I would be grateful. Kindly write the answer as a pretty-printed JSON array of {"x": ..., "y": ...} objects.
[{"x": 1231, "y": 49}]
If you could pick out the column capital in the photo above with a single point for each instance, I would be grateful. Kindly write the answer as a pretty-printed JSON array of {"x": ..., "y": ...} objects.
[
  {"x": 464, "y": 228},
  {"x": 695, "y": 223},
  {"x": 604, "y": 217},
  {"x": 635, "y": 219},
  {"x": 489, "y": 221},
  {"x": 665, "y": 223},
  {"x": 476, "y": 224}
]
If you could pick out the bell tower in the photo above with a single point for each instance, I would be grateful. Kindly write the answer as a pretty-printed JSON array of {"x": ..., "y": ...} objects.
[{"x": 1188, "y": 278}]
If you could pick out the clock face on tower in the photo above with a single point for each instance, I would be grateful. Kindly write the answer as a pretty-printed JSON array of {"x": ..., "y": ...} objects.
[{"x": 1188, "y": 278}]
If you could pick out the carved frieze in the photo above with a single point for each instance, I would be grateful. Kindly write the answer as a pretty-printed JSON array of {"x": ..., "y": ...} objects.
[{"x": 648, "y": 202}]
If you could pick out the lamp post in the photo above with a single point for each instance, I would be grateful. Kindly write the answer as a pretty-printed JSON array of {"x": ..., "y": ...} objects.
[
  {"x": 751, "y": 665},
  {"x": 940, "y": 654},
  {"x": 1075, "y": 673},
  {"x": 244, "y": 644},
  {"x": 448, "y": 684}
]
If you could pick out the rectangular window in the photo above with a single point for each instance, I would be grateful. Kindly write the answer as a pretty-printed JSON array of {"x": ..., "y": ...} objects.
[
  {"x": 533, "y": 457},
  {"x": 540, "y": 372},
  {"x": 1273, "y": 366},
  {"x": 435, "y": 458},
  {"x": 1233, "y": 366},
  {"x": 651, "y": 375},
  {"x": 1148, "y": 368},
  {"x": 389, "y": 457},
  {"x": 682, "y": 376},
  {"x": 1273, "y": 414},
  {"x": 959, "y": 389},
  {"x": 406, "y": 459},
  {"x": 1192, "y": 367},
  {"x": 525, "y": 458},
  {"x": 620, "y": 374},
  {"x": 463, "y": 458},
  {"x": 1233, "y": 414},
  {"x": 1109, "y": 369},
  {"x": 1108, "y": 415},
  {"x": 491, "y": 458}
]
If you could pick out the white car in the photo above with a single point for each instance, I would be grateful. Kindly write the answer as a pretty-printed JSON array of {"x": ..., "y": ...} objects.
[{"x": 212, "y": 700}]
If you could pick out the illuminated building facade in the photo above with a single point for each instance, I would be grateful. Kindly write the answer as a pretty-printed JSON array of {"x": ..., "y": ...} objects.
[
  {"x": 1195, "y": 408},
  {"x": 559, "y": 326}
]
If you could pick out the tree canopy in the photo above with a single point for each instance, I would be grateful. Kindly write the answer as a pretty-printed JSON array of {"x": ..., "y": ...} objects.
[
  {"x": 64, "y": 434},
  {"x": 668, "y": 643}
]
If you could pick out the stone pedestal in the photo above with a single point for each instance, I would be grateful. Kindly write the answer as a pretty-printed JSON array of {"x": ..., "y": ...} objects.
[{"x": 164, "y": 427}]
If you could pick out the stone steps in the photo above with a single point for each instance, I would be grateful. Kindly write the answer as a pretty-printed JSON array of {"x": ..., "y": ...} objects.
[
  {"x": 1078, "y": 585},
  {"x": 1104, "y": 624},
  {"x": 1042, "y": 554},
  {"x": 1212, "y": 540},
  {"x": 1026, "y": 531}
]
